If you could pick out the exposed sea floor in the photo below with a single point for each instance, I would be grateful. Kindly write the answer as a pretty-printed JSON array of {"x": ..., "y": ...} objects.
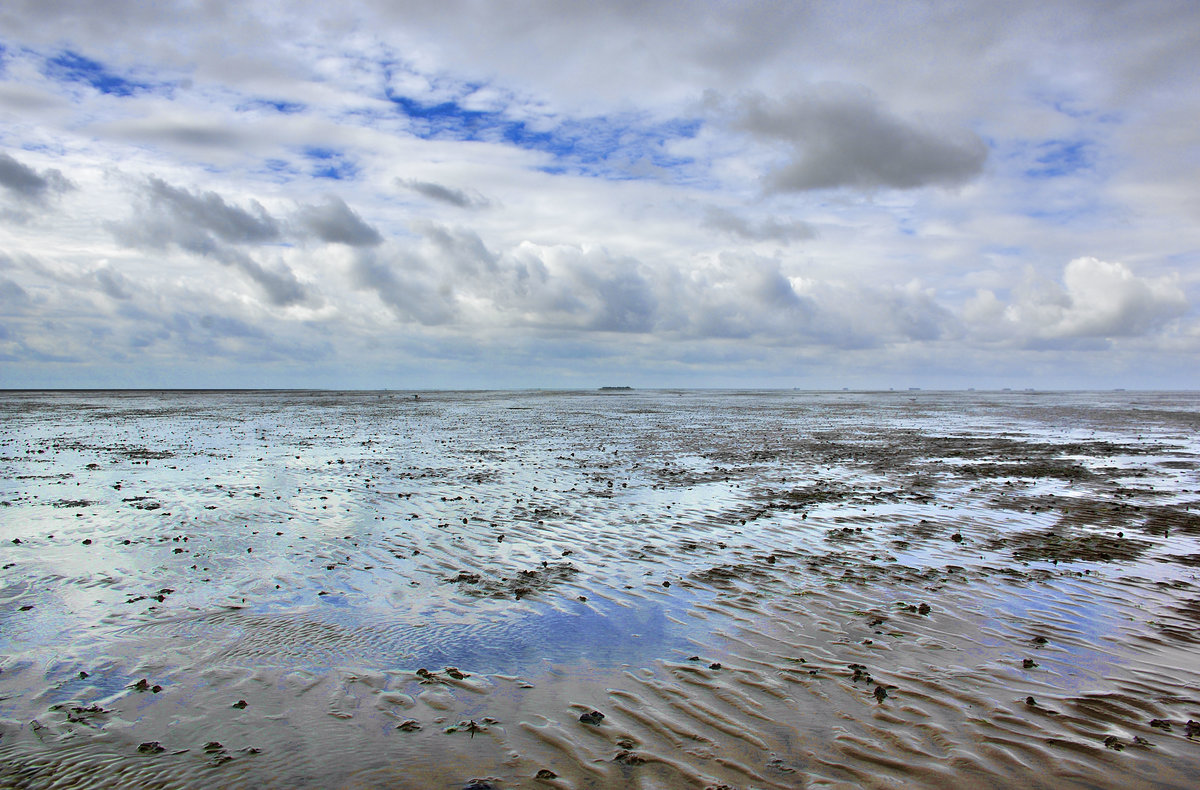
[{"x": 754, "y": 589}]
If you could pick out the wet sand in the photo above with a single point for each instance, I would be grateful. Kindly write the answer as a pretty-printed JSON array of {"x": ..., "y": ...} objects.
[{"x": 755, "y": 590}]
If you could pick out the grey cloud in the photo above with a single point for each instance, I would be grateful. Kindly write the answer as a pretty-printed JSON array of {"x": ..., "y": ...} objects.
[
  {"x": 769, "y": 229},
  {"x": 624, "y": 299},
  {"x": 210, "y": 212},
  {"x": 337, "y": 223},
  {"x": 840, "y": 137},
  {"x": 112, "y": 284},
  {"x": 27, "y": 183},
  {"x": 205, "y": 224},
  {"x": 459, "y": 248},
  {"x": 11, "y": 293},
  {"x": 278, "y": 283},
  {"x": 202, "y": 135},
  {"x": 444, "y": 194},
  {"x": 405, "y": 285}
]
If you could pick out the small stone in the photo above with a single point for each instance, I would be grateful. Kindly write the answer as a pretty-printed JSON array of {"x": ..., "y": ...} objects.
[
  {"x": 151, "y": 747},
  {"x": 155, "y": 689},
  {"x": 409, "y": 725},
  {"x": 956, "y": 537},
  {"x": 594, "y": 717},
  {"x": 715, "y": 665},
  {"x": 1191, "y": 728},
  {"x": 141, "y": 685},
  {"x": 1031, "y": 702},
  {"x": 1029, "y": 663},
  {"x": 880, "y": 694},
  {"x": 240, "y": 704},
  {"x": 1161, "y": 724},
  {"x": 666, "y": 584},
  {"x": 545, "y": 773},
  {"x": 1113, "y": 742},
  {"x": 83, "y": 675},
  {"x": 626, "y": 757},
  {"x": 923, "y": 609},
  {"x": 213, "y": 746}
]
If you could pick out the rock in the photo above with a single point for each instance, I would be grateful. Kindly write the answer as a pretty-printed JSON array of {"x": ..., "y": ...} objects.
[
  {"x": 151, "y": 747},
  {"x": 715, "y": 665},
  {"x": 594, "y": 717},
  {"x": 409, "y": 725},
  {"x": 545, "y": 773},
  {"x": 1028, "y": 663},
  {"x": 240, "y": 704},
  {"x": 880, "y": 694},
  {"x": 1114, "y": 743},
  {"x": 1161, "y": 724},
  {"x": 923, "y": 609}
]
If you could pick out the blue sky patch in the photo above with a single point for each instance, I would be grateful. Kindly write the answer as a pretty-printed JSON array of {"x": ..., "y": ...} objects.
[
  {"x": 1056, "y": 158},
  {"x": 612, "y": 147},
  {"x": 73, "y": 67},
  {"x": 279, "y": 106},
  {"x": 330, "y": 163}
]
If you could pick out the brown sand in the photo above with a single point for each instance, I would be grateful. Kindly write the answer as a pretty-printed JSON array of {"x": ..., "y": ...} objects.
[{"x": 756, "y": 590}]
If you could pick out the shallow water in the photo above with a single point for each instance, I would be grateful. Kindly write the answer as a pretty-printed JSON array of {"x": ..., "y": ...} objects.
[{"x": 870, "y": 571}]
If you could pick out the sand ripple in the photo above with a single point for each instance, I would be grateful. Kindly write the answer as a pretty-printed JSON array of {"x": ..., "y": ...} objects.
[{"x": 769, "y": 590}]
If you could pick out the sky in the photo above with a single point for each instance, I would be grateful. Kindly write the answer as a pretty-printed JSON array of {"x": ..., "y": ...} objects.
[{"x": 544, "y": 194}]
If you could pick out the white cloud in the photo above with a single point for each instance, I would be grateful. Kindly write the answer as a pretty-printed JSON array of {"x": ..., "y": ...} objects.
[{"x": 1095, "y": 300}]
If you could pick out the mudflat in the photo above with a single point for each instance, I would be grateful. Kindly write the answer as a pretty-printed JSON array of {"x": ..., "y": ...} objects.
[{"x": 649, "y": 589}]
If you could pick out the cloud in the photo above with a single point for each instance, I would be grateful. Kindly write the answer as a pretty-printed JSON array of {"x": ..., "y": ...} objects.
[
  {"x": 203, "y": 223},
  {"x": 838, "y": 136},
  {"x": 209, "y": 212},
  {"x": 445, "y": 194},
  {"x": 405, "y": 284},
  {"x": 335, "y": 222},
  {"x": 1097, "y": 300},
  {"x": 28, "y": 184},
  {"x": 770, "y": 229},
  {"x": 12, "y": 294}
]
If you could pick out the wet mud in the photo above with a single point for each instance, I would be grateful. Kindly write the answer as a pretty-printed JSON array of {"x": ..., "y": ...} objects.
[{"x": 595, "y": 590}]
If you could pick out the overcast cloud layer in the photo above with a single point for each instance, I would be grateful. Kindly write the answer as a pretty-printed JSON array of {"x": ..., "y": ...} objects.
[{"x": 469, "y": 194}]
